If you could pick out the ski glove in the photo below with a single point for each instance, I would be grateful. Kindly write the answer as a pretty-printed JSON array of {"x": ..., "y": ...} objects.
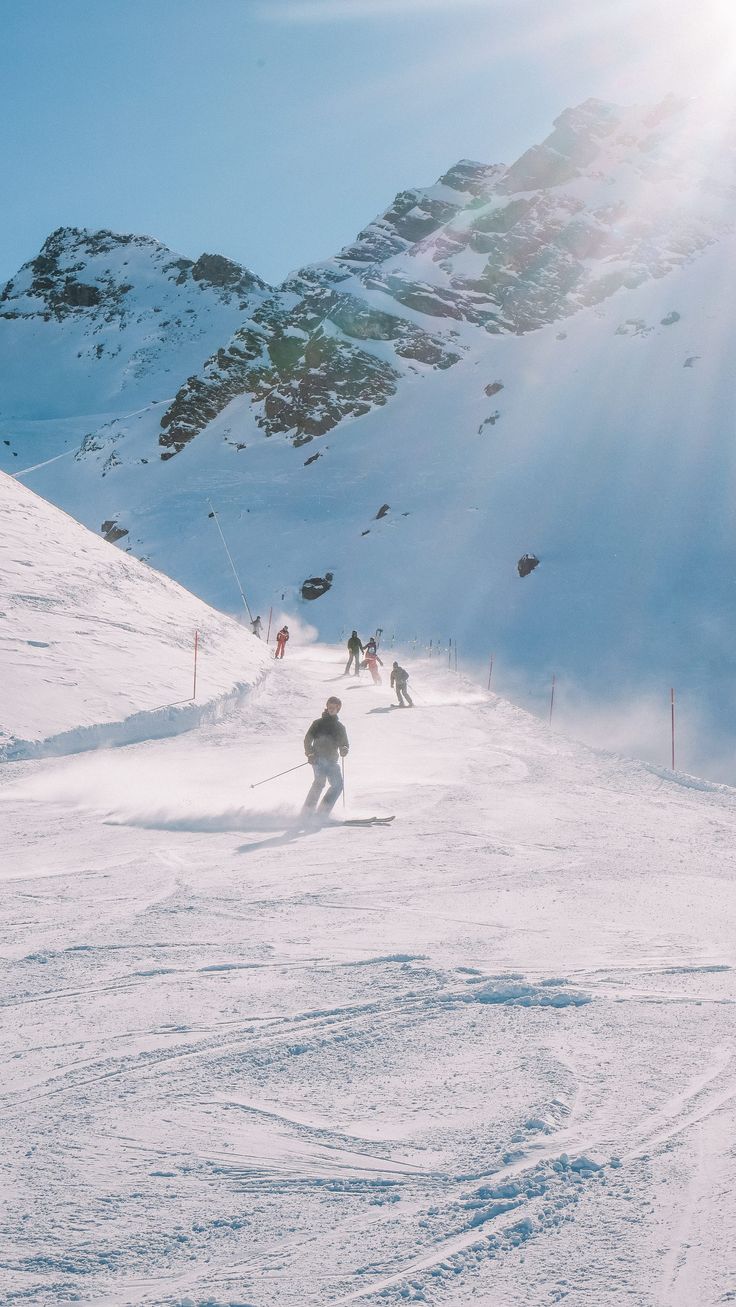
[{"x": 343, "y": 751}]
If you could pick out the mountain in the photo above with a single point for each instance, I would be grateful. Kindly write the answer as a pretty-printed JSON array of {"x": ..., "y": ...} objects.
[
  {"x": 99, "y": 322},
  {"x": 524, "y": 358},
  {"x": 98, "y": 648}
]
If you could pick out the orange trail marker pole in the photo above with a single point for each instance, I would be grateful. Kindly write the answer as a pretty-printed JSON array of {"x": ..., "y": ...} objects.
[{"x": 268, "y": 634}]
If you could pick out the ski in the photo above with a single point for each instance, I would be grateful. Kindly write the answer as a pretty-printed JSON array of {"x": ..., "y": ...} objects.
[{"x": 366, "y": 821}]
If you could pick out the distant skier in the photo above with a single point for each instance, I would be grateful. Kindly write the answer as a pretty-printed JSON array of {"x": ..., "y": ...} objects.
[
  {"x": 355, "y": 649},
  {"x": 325, "y": 739},
  {"x": 373, "y": 662},
  {"x": 281, "y": 639},
  {"x": 399, "y": 677},
  {"x": 256, "y": 627}
]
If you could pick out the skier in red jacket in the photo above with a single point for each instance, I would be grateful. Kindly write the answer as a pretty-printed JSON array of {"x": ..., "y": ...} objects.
[
  {"x": 373, "y": 662},
  {"x": 281, "y": 639}
]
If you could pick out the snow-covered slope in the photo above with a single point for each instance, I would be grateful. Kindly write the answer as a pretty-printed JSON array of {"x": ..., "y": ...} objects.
[
  {"x": 525, "y": 358},
  {"x": 485, "y": 1056},
  {"x": 98, "y": 648}
]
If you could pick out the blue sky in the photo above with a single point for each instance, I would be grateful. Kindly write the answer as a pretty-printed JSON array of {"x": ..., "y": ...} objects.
[{"x": 272, "y": 130}]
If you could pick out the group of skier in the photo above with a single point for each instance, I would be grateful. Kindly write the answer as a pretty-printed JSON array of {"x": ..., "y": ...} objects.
[
  {"x": 399, "y": 676},
  {"x": 326, "y": 741},
  {"x": 282, "y": 636}
]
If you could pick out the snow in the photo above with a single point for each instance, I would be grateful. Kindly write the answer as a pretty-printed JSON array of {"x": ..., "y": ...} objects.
[
  {"x": 484, "y": 1055},
  {"x": 96, "y": 646}
]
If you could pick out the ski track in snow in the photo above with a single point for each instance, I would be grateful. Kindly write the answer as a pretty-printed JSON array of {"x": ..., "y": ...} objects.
[{"x": 482, "y": 1056}]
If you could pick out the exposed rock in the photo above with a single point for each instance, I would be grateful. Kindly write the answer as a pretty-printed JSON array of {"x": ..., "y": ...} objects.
[
  {"x": 316, "y": 586},
  {"x": 112, "y": 531},
  {"x": 493, "y": 388},
  {"x": 383, "y": 510},
  {"x": 526, "y": 564}
]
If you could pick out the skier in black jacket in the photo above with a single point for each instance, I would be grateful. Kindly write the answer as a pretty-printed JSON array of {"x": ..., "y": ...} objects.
[
  {"x": 355, "y": 649},
  {"x": 325, "y": 739},
  {"x": 399, "y": 677}
]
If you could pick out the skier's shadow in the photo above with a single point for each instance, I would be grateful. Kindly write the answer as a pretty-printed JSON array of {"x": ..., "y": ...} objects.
[
  {"x": 390, "y": 708},
  {"x": 288, "y": 837}
]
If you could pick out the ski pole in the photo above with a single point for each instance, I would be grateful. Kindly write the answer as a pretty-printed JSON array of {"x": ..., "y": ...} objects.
[
  {"x": 342, "y": 760},
  {"x": 279, "y": 773}
]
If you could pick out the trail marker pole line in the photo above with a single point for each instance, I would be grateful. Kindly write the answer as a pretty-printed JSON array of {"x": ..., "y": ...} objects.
[
  {"x": 456, "y": 655},
  {"x": 672, "y": 716},
  {"x": 490, "y": 672},
  {"x": 230, "y": 557},
  {"x": 196, "y": 648},
  {"x": 449, "y": 653},
  {"x": 270, "y": 615},
  {"x": 552, "y": 700}
]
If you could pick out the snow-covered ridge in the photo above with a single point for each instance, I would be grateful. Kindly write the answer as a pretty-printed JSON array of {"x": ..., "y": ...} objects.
[
  {"x": 96, "y": 647},
  {"x": 102, "y": 322}
]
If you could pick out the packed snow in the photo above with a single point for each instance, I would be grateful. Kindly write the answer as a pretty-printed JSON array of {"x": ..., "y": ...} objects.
[{"x": 482, "y": 1055}]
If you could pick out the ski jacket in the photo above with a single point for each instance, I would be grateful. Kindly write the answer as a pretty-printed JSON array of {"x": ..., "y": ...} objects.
[
  {"x": 283, "y": 635},
  {"x": 354, "y": 645},
  {"x": 399, "y": 676},
  {"x": 326, "y": 737}
]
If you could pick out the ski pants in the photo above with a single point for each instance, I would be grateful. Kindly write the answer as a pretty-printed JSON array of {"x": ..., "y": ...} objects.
[
  {"x": 280, "y": 646},
  {"x": 325, "y": 769},
  {"x": 376, "y": 675},
  {"x": 401, "y": 689},
  {"x": 355, "y": 656}
]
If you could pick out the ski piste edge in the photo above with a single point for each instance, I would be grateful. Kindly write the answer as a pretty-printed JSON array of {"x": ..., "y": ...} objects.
[{"x": 366, "y": 821}]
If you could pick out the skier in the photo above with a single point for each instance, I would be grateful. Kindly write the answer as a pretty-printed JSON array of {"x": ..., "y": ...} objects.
[
  {"x": 256, "y": 627},
  {"x": 371, "y": 646},
  {"x": 399, "y": 677},
  {"x": 373, "y": 662},
  {"x": 281, "y": 639},
  {"x": 325, "y": 739},
  {"x": 354, "y": 649}
]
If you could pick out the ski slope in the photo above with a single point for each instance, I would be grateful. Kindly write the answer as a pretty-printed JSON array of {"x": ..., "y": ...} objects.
[
  {"x": 96, "y": 647},
  {"x": 482, "y": 1056}
]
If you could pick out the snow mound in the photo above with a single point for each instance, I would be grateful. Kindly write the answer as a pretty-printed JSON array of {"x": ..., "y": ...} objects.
[
  {"x": 97, "y": 648},
  {"x": 520, "y": 993}
]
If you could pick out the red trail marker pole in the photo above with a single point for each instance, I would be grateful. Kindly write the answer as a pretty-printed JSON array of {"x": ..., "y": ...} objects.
[
  {"x": 672, "y": 717},
  {"x": 268, "y": 634},
  {"x": 490, "y": 672},
  {"x": 552, "y": 700},
  {"x": 196, "y": 648}
]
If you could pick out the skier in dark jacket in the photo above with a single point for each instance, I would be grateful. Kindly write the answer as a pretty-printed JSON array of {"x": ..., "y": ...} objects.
[
  {"x": 399, "y": 677},
  {"x": 355, "y": 649},
  {"x": 325, "y": 739}
]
